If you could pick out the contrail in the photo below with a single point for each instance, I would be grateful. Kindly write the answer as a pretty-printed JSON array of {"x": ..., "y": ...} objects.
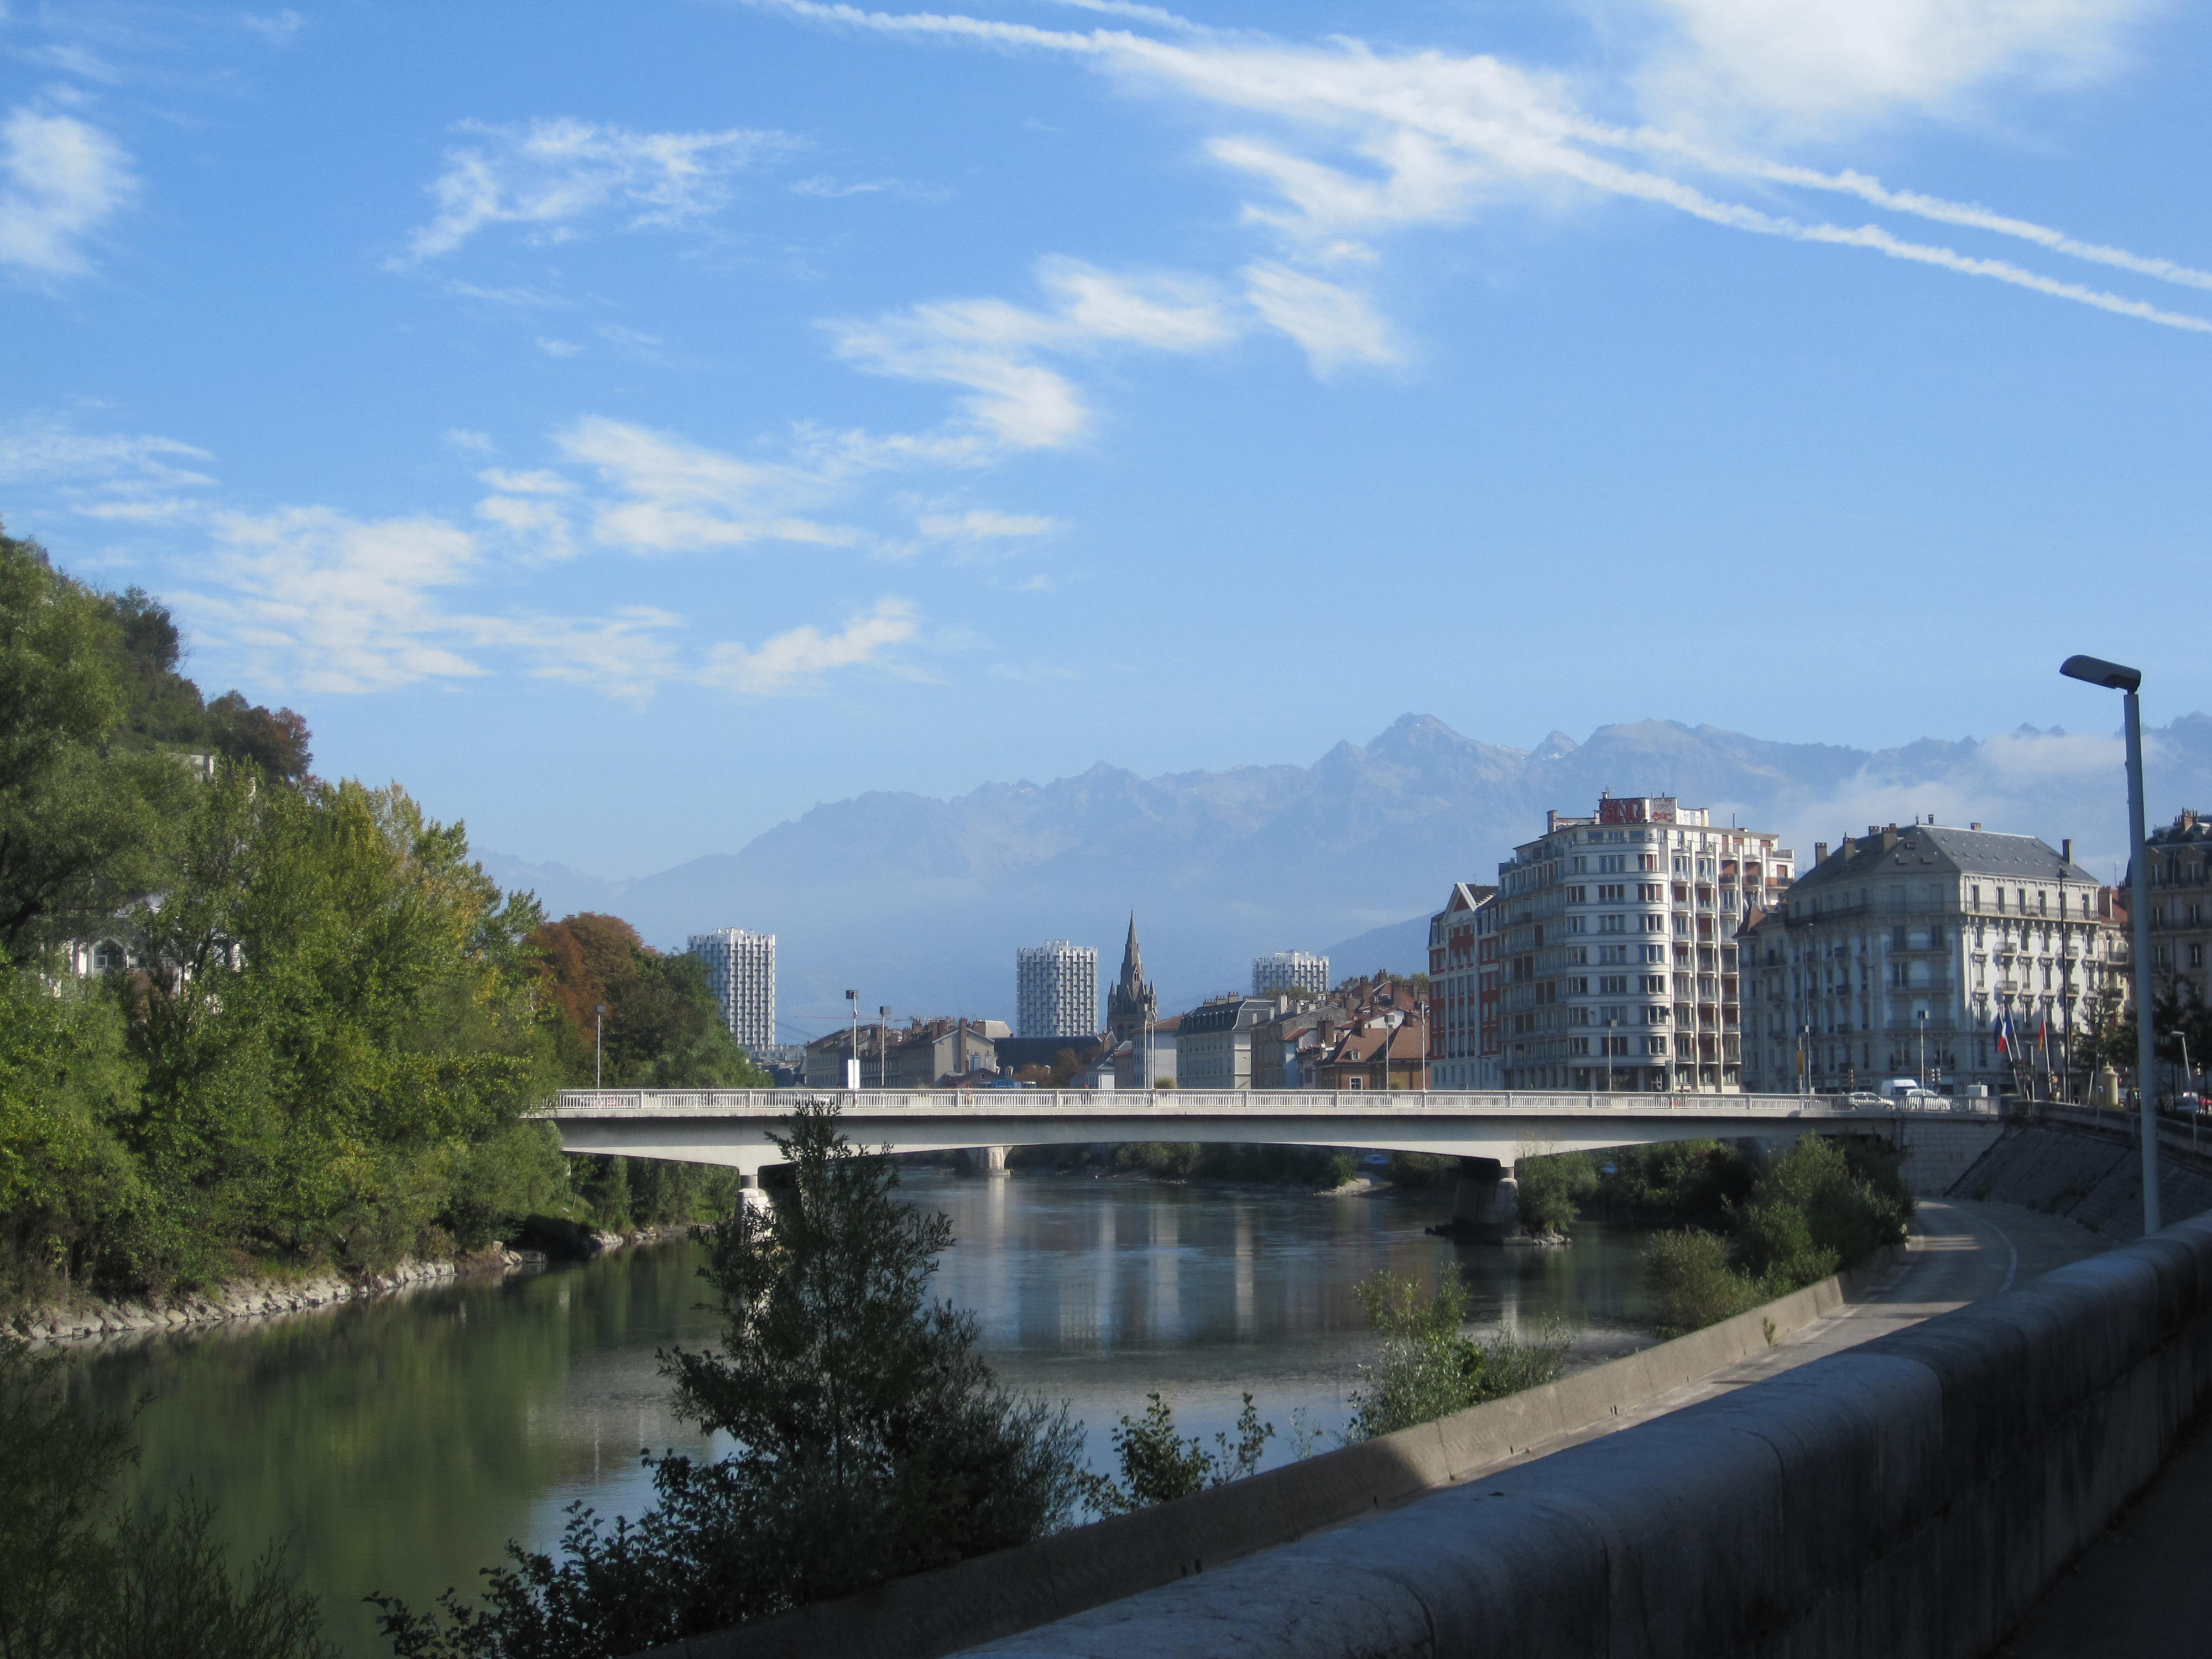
[
  {"x": 1970, "y": 216},
  {"x": 1544, "y": 151}
]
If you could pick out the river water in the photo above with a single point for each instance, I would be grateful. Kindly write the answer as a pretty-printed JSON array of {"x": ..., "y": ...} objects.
[{"x": 398, "y": 1444}]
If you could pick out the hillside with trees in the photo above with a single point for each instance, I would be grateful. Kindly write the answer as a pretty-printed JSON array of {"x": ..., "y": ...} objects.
[{"x": 321, "y": 1039}]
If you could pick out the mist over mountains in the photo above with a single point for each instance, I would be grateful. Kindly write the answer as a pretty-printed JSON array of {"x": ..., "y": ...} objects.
[{"x": 920, "y": 903}]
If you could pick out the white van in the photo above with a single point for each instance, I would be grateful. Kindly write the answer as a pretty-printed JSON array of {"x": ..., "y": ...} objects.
[{"x": 1897, "y": 1087}]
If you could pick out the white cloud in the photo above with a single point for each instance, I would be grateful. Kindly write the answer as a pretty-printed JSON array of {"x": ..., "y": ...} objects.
[
  {"x": 1336, "y": 327},
  {"x": 468, "y": 442},
  {"x": 558, "y": 347},
  {"x": 328, "y": 603},
  {"x": 793, "y": 662},
  {"x": 983, "y": 524},
  {"x": 277, "y": 28},
  {"x": 626, "y": 654},
  {"x": 551, "y": 175},
  {"x": 134, "y": 479},
  {"x": 1826, "y": 63},
  {"x": 43, "y": 451},
  {"x": 59, "y": 178},
  {"x": 992, "y": 348},
  {"x": 681, "y": 496}
]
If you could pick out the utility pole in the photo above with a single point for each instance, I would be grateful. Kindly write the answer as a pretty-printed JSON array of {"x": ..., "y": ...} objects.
[
  {"x": 598, "y": 1041},
  {"x": 883, "y": 1046},
  {"x": 1920, "y": 1019}
]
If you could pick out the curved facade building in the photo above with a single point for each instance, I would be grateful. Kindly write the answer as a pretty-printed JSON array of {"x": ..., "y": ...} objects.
[{"x": 1616, "y": 947}]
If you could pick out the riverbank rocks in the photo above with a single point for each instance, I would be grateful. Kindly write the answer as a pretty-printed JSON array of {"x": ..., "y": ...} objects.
[{"x": 269, "y": 1298}]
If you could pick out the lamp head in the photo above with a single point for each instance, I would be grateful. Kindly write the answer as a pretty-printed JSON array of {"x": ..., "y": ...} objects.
[
  {"x": 2112, "y": 676},
  {"x": 852, "y": 996}
]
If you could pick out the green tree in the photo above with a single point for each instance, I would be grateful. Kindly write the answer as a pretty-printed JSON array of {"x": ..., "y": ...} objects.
[
  {"x": 82, "y": 1578},
  {"x": 874, "y": 1442},
  {"x": 1157, "y": 1465},
  {"x": 1551, "y": 1190},
  {"x": 81, "y": 815},
  {"x": 1826, "y": 1204}
]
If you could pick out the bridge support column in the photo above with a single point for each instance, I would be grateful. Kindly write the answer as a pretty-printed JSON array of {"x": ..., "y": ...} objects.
[
  {"x": 983, "y": 1161},
  {"x": 1485, "y": 1205},
  {"x": 750, "y": 1194}
]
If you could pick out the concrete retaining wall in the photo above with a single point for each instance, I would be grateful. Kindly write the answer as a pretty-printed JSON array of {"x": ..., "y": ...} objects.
[
  {"x": 1911, "y": 1497},
  {"x": 943, "y": 1612},
  {"x": 1937, "y": 1152},
  {"x": 2088, "y": 1174}
]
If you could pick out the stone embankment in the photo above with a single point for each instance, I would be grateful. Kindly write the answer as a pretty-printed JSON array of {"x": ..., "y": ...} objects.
[
  {"x": 269, "y": 1298},
  {"x": 2088, "y": 1172}
]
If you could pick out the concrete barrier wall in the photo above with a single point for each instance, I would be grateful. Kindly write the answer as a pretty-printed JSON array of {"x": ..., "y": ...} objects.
[
  {"x": 1014, "y": 1590},
  {"x": 1911, "y": 1497}
]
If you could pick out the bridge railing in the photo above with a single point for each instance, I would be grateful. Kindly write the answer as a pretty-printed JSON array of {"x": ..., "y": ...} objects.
[{"x": 1204, "y": 1102}]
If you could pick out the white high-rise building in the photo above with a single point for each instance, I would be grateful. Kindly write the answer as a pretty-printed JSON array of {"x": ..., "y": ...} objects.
[
  {"x": 1056, "y": 990},
  {"x": 741, "y": 968},
  {"x": 1289, "y": 970}
]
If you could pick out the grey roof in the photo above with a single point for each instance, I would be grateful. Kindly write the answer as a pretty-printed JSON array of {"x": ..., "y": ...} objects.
[
  {"x": 2180, "y": 831},
  {"x": 1225, "y": 1016},
  {"x": 1930, "y": 849}
]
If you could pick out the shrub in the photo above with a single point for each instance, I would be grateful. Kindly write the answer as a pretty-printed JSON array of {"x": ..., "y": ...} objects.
[
  {"x": 83, "y": 1578},
  {"x": 1695, "y": 1285},
  {"x": 874, "y": 1441},
  {"x": 1423, "y": 1170},
  {"x": 1428, "y": 1367},
  {"x": 1823, "y": 1206},
  {"x": 1157, "y": 1465}
]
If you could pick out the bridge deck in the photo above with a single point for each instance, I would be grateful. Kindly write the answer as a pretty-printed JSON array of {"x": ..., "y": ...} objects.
[{"x": 731, "y": 1126}]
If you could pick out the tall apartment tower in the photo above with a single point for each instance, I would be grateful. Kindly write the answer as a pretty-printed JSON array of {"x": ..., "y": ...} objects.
[
  {"x": 1617, "y": 947},
  {"x": 741, "y": 968},
  {"x": 1289, "y": 970},
  {"x": 1056, "y": 990}
]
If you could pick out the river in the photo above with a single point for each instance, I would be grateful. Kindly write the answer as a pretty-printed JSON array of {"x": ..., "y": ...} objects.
[{"x": 400, "y": 1444}]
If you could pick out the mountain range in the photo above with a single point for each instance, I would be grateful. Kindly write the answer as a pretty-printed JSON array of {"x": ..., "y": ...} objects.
[{"x": 920, "y": 903}]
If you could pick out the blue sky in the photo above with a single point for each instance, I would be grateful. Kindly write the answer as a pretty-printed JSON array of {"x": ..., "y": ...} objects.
[{"x": 629, "y": 424}]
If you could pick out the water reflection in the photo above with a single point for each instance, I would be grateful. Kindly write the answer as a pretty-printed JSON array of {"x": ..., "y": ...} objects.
[{"x": 401, "y": 1444}]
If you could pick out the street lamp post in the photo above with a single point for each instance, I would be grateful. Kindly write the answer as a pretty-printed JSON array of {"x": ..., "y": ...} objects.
[
  {"x": 2114, "y": 677},
  {"x": 1391, "y": 1022},
  {"x": 883, "y": 1046},
  {"x": 1920, "y": 1018},
  {"x": 598, "y": 1039}
]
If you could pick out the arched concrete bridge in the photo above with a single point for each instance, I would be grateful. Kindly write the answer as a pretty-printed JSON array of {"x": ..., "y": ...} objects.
[{"x": 731, "y": 1128}]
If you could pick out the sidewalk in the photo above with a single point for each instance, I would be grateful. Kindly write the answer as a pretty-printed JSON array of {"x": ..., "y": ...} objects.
[
  {"x": 1962, "y": 1251},
  {"x": 2142, "y": 1591}
]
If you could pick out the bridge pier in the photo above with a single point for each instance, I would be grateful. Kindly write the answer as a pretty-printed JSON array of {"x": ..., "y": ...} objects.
[
  {"x": 983, "y": 1160},
  {"x": 1486, "y": 1203}
]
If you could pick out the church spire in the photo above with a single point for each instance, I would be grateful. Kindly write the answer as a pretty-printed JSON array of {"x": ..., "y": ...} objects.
[{"x": 1132, "y": 1004}]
